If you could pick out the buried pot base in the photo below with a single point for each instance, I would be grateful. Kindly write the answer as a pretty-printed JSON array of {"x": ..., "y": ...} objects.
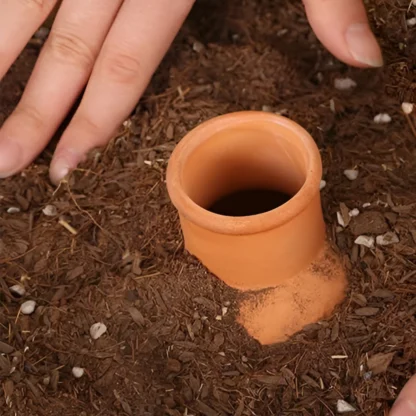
[{"x": 273, "y": 315}]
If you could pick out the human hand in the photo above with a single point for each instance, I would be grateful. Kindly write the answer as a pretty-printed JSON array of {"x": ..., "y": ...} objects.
[
  {"x": 113, "y": 47},
  {"x": 342, "y": 26},
  {"x": 405, "y": 404}
]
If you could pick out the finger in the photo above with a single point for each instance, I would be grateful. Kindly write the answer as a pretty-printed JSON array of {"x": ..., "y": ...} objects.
[
  {"x": 135, "y": 45},
  {"x": 342, "y": 26},
  {"x": 406, "y": 402},
  {"x": 61, "y": 72},
  {"x": 19, "y": 20}
]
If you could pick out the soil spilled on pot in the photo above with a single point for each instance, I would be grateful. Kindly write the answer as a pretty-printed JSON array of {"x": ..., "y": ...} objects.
[{"x": 249, "y": 202}]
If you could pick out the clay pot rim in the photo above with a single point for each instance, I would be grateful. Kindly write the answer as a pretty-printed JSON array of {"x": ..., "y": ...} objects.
[{"x": 250, "y": 224}]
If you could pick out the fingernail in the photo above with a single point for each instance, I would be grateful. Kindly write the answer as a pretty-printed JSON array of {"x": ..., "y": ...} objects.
[
  {"x": 363, "y": 45},
  {"x": 64, "y": 161},
  {"x": 404, "y": 408},
  {"x": 10, "y": 157}
]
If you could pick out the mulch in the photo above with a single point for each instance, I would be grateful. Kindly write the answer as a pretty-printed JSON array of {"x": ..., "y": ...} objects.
[{"x": 105, "y": 246}]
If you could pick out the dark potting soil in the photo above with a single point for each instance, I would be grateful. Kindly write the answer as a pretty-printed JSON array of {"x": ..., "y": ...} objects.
[
  {"x": 249, "y": 202},
  {"x": 172, "y": 345}
]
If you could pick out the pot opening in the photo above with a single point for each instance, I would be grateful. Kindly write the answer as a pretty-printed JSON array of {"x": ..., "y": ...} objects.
[
  {"x": 240, "y": 172},
  {"x": 249, "y": 202}
]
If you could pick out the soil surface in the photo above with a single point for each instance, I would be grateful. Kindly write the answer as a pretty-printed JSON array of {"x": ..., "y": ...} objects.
[{"x": 106, "y": 245}]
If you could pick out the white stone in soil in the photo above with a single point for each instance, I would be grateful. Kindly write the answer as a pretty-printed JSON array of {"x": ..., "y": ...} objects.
[
  {"x": 344, "y": 83},
  {"x": 382, "y": 118},
  {"x": 340, "y": 219},
  {"x": 351, "y": 174},
  {"x": 78, "y": 372},
  {"x": 387, "y": 239},
  {"x": 322, "y": 185},
  {"x": 13, "y": 210},
  {"x": 344, "y": 407},
  {"x": 411, "y": 22},
  {"x": 97, "y": 330},
  {"x": 50, "y": 210},
  {"x": 17, "y": 290},
  {"x": 407, "y": 108},
  {"x": 198, "y": 47},
  {"x": 365, "y": 240},
  {"x": 28, "y": 307},
  {"x": 354, "y": 212}
]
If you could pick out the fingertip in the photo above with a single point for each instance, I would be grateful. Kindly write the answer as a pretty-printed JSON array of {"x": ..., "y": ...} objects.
[
  {"x": 406, "y": 402},
  {"x": 363, "y": 46},
  {"x": 343, "y": 28},
  {"x": 64, "y": 161}
]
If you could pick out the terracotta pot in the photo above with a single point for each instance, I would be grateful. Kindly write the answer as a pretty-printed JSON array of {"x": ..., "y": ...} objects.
[{"x": 246, "y": 186}]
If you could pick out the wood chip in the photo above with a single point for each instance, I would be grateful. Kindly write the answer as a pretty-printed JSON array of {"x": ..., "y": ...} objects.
[
  {"x": 137, "y": 316},
  {"x": 379, "y": 363},
  {"x": 367, "y": 311},
  {"x": 277, "y": 380},
  {"x": 5, "y": 348}
]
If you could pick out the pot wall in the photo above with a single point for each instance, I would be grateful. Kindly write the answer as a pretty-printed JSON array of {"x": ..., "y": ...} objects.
[
  {"x": 262, "y": 260},
  {"x": 245, "y": 151}
]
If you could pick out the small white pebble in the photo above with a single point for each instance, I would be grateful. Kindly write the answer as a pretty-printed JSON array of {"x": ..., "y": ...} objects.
[
  {"x": 382, "y": 118},
  {"x": 198, "y": 47},
  {"x": 97, "y": 330},
  {"x": 344, "y": 407},
  {"x": 344, "y": 83},
  {"x": 365, "y": 240},
  {"x": 340, "y": 219},
  {"x": 224, "y": 310},
  {"x": 322, "y": 185},
  {"x": 127, "y": 123},
  {"x": 411, "y": 22},
  {"x": 218, "y": 318},
  {"x": 407, "y": 108},
  {"x": 227, "y": 303},
  {"x": 78, "y": 372},
  {"x": 222, "y": 354},
  {"x": 351, "y": 174},
  {"x": 387, "y": 239},
  {"x": 17, "y": 290},
  {"x": 332, "y": 105},
  {"x": 354, "y": 212},
  {"x": 50, "y": 210},
  {"x": 148, "y": 162},
  {"x": 366, "y": 205},
  {"x": 13, "y": 210},
  {"x": 28, "y": 307}
]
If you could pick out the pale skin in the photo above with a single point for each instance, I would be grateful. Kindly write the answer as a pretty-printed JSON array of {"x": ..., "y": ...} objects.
[{"x": 113, "y": 47}]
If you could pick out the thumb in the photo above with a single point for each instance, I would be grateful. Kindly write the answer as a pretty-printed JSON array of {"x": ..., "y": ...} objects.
[
  {"x": 406, "y": 402},
  {"x": 342, "y": 26}
]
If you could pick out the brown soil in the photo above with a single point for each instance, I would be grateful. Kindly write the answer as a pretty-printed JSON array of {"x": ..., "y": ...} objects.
[{"x": 172, "y": 346}]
